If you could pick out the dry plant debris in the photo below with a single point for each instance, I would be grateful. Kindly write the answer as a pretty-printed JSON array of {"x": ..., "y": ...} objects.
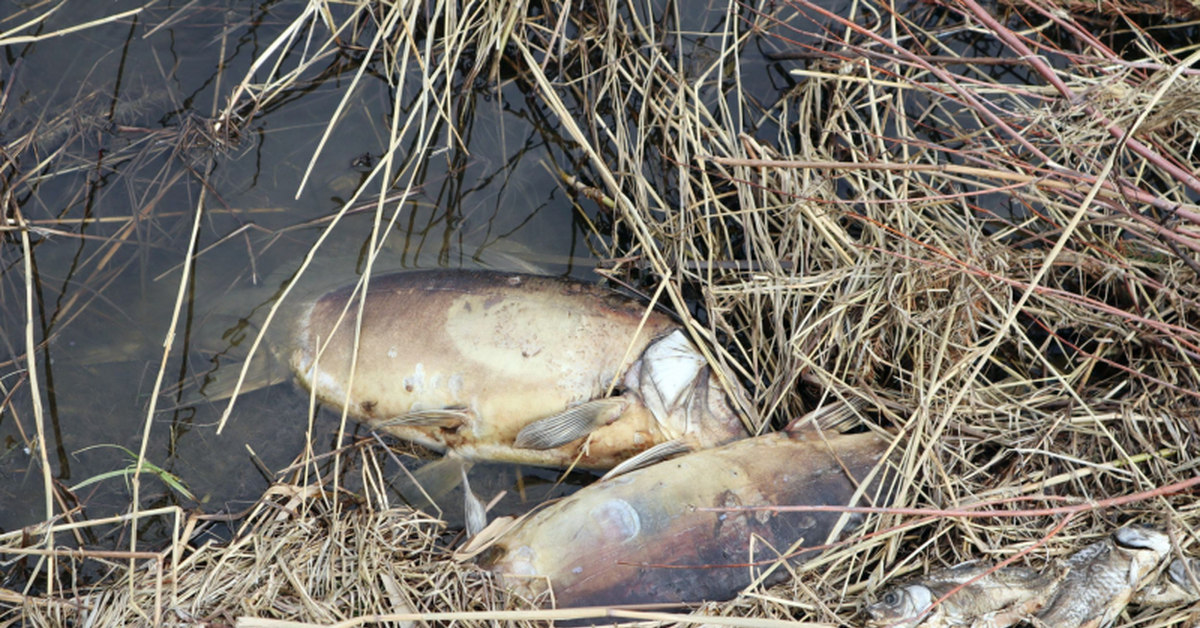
[{"x": 998, "y": 254}]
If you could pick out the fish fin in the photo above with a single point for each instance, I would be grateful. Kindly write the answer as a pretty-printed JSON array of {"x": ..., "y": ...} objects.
[
  {"x": 571, "y": 424},
  {"x": 474, "y": 514},
  {"x": 655, "y": 454},
  {"x": 486, "y": 539},
  {"x": 452, "y": 416},
  {"x": 1185, "y": 572},
  {"x": 839, "y": 416},
  {"x": 423, "y": 487},
  {"x": 220, "y": 383},
  {"x": 697, "y": 406}
]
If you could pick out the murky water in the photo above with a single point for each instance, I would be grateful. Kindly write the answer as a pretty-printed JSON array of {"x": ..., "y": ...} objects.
[
  {"x": 98, "y": 104},
  {"x": 107, "y": 110}
]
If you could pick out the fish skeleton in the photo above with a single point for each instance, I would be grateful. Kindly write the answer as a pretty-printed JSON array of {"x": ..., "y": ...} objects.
[
  {"x": 509, "y": 367},
  {"x": 647, "y": 536},
  {"x": 989, "y": 596},
  {"x": 1103, "y": 576}
]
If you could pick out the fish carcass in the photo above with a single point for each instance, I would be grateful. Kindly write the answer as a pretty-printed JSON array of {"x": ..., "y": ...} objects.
[
  {"x": 1102, "y": 577},
  {"x": 986, "y": 595},
  {"x": 651, "y": 535},
  {"x": 509, "y": 367}
]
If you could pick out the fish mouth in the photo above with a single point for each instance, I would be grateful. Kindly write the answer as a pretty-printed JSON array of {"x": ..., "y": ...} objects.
[{"x": 491, "y": 556}]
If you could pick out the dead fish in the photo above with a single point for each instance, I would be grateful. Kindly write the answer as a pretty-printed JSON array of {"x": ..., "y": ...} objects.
[
  {"x": 510, "y": 367},
  {"x": 991, "y": 597},
  {"x": 1177, "y": 586},
  {"x": 644, "y": 537},
  {"x": 1103, "y": 576}
]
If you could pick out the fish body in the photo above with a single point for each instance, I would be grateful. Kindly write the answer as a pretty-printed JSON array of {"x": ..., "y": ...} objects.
[
  {"x": 644, "y": 537},
  {"x": 509, "y": 367},
  {"x": 1103, "y": 576},
  {"x": 989, "y": 597}
]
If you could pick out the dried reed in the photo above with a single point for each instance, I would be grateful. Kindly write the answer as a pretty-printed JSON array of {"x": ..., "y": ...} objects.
[{"x": 998, "y": 254}]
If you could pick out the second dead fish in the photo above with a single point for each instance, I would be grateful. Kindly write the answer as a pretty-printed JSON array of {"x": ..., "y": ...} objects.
[
  {"x": 645, "y": 537},
  {"x": 989, "y": 597}
]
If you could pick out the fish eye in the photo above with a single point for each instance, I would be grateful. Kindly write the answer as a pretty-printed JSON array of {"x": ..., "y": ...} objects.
[{"x": 891, "y": 598}]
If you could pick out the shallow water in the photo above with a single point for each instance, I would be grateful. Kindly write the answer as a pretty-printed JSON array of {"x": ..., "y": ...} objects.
[
  {"x": 114, "y": 206},
  {"x": 105, "y": 307}
]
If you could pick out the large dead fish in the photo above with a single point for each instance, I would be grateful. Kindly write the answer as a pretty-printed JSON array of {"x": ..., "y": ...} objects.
[
  {"x": 645, "y": 536},
  {"x": 510, "y": 367},
  {"x": 989, "y": 596},
  {"x": 1103, "y": 576}
]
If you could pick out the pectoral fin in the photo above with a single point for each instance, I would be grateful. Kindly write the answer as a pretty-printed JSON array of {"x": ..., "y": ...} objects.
[
  {"x": 431, "y": 417},
  {"x": 657, "y": 453},
  {"x": 219, "y": 384},
  {"x": 474, "y": 513},
  {"x": 573, "y": 424}
]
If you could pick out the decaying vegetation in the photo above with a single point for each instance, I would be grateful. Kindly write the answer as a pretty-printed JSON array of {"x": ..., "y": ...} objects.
[{"x": 996, "y": 253}]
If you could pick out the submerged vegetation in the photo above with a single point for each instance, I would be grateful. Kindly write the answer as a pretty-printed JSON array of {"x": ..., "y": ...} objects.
[{"x": 979, "y": 225}]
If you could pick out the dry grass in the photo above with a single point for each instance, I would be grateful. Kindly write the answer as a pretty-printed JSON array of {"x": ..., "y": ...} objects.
[{"x": 999, "y": 255}]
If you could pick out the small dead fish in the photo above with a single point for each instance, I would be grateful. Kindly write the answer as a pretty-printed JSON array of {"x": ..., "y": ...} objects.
[
  {"x": 644, "y": 537},
  {"x": 511, "y": 368},
  {"x": 1179, "y": 585},
  {"x": 1103, "y": 576},
  {"x": 991, "y": 598}
]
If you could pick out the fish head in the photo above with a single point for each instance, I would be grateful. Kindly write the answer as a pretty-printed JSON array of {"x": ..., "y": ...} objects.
[
  {"x": 901, "y": 606},
  {"x": 675, "y": 383},
  {"x": 1144, "y": 547},
  {"x": 517, "y": 568}
]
